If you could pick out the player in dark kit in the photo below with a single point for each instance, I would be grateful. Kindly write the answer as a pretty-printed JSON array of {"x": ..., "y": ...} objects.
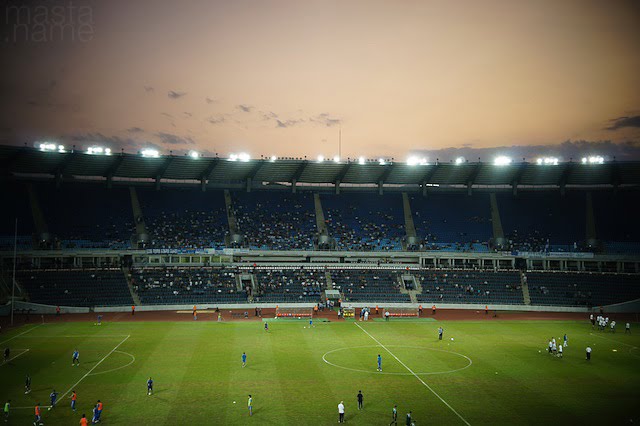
[
  {"x": 360, "y": 398},
  {"x": 149, "y": 386}
]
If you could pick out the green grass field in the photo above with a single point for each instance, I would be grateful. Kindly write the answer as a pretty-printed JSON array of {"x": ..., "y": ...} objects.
[{"x": 494, "y": 372}]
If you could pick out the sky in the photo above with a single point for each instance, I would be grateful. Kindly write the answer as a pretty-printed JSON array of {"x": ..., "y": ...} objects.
[{"x": 287, "y": 78}]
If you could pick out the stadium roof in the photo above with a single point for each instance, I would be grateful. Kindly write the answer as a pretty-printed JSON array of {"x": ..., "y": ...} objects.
[{"x": 27, "y": 161}]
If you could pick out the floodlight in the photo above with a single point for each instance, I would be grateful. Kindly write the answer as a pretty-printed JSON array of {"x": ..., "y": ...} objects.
[
  {"x": 381, "y": 161},
  {"x": 336, "y": 159},
  {"x": 460, "y": 160},
  {"x": 244, "y": 157},
  {"x": 273, "y": 158},
  {"x": 361, "y": 160},
  {"x": 48, "y": 146},
  {"x": 547, "y": 161},
  {"x": 149, "y": 152},
  {"x": 194, "y": 154},
  {"x": 502, "y": 161},
  {"x": 320, "y": 158}
]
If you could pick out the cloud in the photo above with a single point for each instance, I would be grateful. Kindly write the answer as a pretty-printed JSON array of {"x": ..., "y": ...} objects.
[
  {"x": 245, "y": 108},
  {"x": 622, "y": 122},
  {"x": 149, "y": 89},
  {"x": 288, "y": 123},
  {"x": 210, "y": 100},
  {"x": 172, "y": 139},
  {"x": 326, "y": 119},
  {"x": 175, "y": 95},
  {"x": 135, "y": 130},
  {"x": 624, "y": 151},
  {"x": 216, "y": 120},
  {"x": 116, "y": 143},
  {"x": 187, "y": 114},
  {"x": 166, "y": 114},
  {"x": 270, "y": 115}
]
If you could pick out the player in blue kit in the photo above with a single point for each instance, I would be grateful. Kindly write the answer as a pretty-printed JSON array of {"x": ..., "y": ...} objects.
[
  {"x": 149, "y": 386},
  {"x": 379, "y": 363},
  {"x": 244, "y": 359},
  {"x": 75, "y": 360},
  {"x": 53, "y": 396}
]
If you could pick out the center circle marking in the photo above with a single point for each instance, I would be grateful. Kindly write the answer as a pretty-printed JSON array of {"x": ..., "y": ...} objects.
[{"x": 470, "y": 362}]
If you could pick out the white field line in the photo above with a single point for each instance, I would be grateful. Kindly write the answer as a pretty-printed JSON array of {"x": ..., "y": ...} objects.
[
  {"x": 414, "y": 374},
  {"x": 613, "y": 340},
  {"x": 94, "y": 367},
  {"x": 79, "y": 336},
  {"x": 83, "y": 377},
  {"x": 18, "y": 335},
  {"x": 22, "y": 352}
]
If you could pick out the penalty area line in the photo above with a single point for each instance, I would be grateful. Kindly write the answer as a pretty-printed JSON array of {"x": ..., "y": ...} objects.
[
  {"x": 22, "y": 352},
  {"x": 94, "y": 367},
  {"x": 414, "y": 374},
  {"x": 18, "y": 335}
]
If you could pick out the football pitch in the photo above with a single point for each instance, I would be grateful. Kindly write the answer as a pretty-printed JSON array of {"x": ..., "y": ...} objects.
[{"x": 492, "y": 372}]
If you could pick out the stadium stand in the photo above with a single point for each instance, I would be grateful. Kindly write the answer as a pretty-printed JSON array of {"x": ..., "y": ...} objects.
[
  {"x": 365, "y": 221},
  {"x": 371, "y": 285},
  {"x": 582, "y": 289},
  {"x": 87, "y": 216},
  {"x": 289, "y": 285},
  {"x": 543, "y": 221},
  {"x": 454, "y": 222},
  {"x": 91, "y": 287},
  {"x": 616, "y": 220},
  {"x": 186, "y": 285},
  {"x": 15, "y": 205},
  {"x": 275, "y": 220},
  {"x": 484, "y": 287},
  {"x": 184, "y": 218}
]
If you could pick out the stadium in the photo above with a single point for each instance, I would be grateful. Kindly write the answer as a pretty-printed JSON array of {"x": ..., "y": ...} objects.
[{"x": 458, "y": 275}]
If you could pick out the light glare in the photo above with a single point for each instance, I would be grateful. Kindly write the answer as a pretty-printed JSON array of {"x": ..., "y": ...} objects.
[
  {"x": 502, "y": 161},
  {"x": 547, "y": 161},
  {"x": 148, "y": 152}
]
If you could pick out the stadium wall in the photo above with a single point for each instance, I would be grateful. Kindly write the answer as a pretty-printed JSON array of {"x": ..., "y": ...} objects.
[
  {"x": 36, "y": 308},
  {"x": 631, "y": 306}
]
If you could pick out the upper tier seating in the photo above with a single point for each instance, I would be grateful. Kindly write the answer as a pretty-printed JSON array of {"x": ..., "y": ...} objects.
[
  {"x": 276, "y": 220},
  {"x": 616, "y": 217},
  {"x": 533, "y": 220},
  {"x": 88, "y": 216},
  {"x": 456, "y": 220},
  {"x": 365, "y": 221},
  {"x": 184, "y": 218},
  {"x": 91, "y": 287}
]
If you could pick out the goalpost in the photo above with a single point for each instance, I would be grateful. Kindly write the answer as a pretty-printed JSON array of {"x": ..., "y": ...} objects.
[
  {"x": 294, "y": 312},
  {"x": 402, "y": 312}
]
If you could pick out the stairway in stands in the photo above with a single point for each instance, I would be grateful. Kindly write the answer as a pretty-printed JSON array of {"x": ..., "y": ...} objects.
[
  {"x": 417, "y": 288},
  {"x": 127, "y": 275},
  {"x": 526, "y": 298},
  {"x": 409, "y": 226}
]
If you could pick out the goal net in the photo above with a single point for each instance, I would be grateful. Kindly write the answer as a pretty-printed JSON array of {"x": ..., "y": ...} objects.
[
  {"x": 294, "y": 312},
  {"x": 402, "y": 312}
]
